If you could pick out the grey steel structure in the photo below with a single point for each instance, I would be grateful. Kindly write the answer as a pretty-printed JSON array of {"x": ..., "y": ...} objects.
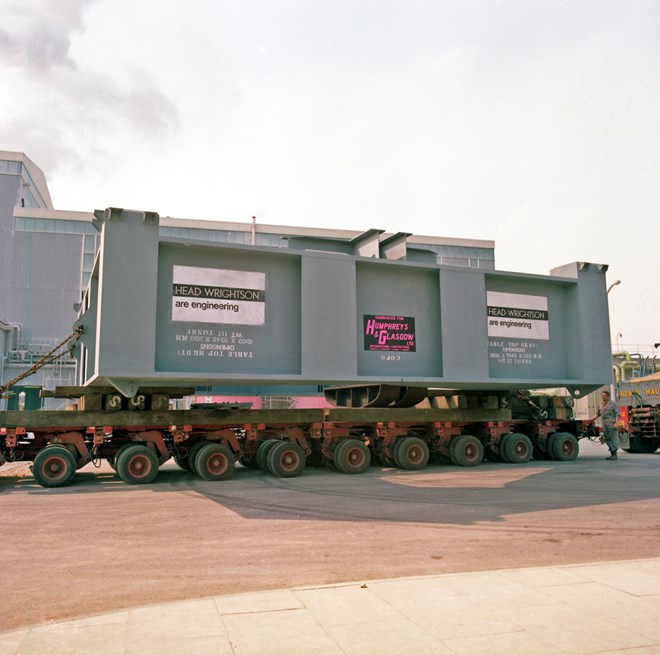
[
  {"x": 166, "y": 311},
  {"x": 46, "y": 257}
]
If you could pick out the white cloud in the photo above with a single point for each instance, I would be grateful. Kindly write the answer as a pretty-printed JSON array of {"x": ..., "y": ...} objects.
[
  {"x": 534, "y": 123},
  {"x": 36, "y": 35}
]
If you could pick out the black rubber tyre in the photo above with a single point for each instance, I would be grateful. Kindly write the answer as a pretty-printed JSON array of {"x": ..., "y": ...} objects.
[
  {"x": 112, "y": 460},
  {"x": 137, "y": 464},
  {"x": 262, "y": 453},
  {"x": 215, "y": 462},
  {"x": 412, "y": 454},
  {"x": 565, "y": 447},
  {"x": 395, "y": 448},
  {"x": 54, "y": 466},
  {"x": 452, "y": 447},
  {"x": 502, "y": 448},
  {"x": 518, "y": 448},
  {"x": 468, "y": 451},
  {"x": 549, "y": 445},
  {"x": 286, "y": 459},
  {"x": 192, "y": 454},
  {"x": 642, "y": 446},
  {"x": 352, "y": 456}
]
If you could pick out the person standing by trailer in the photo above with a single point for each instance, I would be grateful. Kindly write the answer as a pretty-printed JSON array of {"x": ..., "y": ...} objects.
[{"x": 609, "y": 413}]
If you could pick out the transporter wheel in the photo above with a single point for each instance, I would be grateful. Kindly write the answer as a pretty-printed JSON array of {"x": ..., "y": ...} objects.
[
  {"x": 394, "y": 458},
  {"x": 518, "y": 448},
  {"x": 262, "y": 453},
  {"x": 113, "y": 459},
  {"x": 286, "y": 459},
  {"x": 549, "y": 445},
  {"x": 450, "y": 449},
  {"x": 192, "y": 454},
  {"x": 412, "y": 454},
  {"x": 54, "y": 466},
  {"x": 352, "y": 456},
  {"x": 467, "y": 451},
  {"x": 651, "y": 445},
  {"x": 137, "y": 464},
  {"x": 565, "y": 447},
  {"x": 215, "y": 462},
  {"x": 502, "y": 448},
  {"x": 642, "y": 446}
]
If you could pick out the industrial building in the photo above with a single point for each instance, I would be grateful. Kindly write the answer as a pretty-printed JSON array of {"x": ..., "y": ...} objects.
[{"x": 47, "y": 255}]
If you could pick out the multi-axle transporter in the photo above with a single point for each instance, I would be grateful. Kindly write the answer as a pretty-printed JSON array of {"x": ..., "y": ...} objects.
[
  {"x": 137, "y": 435},
  {"x": 425, "y": 361}
]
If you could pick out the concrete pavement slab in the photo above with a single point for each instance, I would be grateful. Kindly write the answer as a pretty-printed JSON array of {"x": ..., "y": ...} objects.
[
  {"x": 627, "y": 577},
  {"x": 278, "y": 632},
  {"x": 594, "y": 609},
  {"x": 264, "y": 601},
  {"x": 342, "y": 605},
  {"x": 386, "y": 637}
]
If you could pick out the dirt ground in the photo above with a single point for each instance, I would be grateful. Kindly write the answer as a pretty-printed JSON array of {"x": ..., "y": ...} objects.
[{"x": 101, "y": 545}]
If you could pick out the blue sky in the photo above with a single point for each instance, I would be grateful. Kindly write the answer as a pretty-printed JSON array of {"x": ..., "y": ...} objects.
[{"x": 532, "y": 123}]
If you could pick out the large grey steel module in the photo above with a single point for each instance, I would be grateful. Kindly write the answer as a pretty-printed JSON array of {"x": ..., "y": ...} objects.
[{"x": 161, "y": 311}]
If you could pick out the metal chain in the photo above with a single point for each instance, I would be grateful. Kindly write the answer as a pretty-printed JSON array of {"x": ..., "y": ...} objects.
[
  {"x": 48, "y": 358},
  {"x": 542, "y": 414}
]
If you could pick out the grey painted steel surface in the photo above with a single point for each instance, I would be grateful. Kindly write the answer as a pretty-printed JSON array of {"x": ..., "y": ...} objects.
[{"x": 164, "y": 311}]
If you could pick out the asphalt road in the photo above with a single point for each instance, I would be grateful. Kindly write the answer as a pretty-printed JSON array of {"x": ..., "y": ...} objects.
[{"x": 101, "y": 545}]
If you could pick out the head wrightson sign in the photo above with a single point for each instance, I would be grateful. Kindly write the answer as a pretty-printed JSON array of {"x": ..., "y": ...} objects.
[
  {"x": 514, "y": 315},
  {"x": 209, "y": 295},
  {"x": 518, "y": 333}
]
